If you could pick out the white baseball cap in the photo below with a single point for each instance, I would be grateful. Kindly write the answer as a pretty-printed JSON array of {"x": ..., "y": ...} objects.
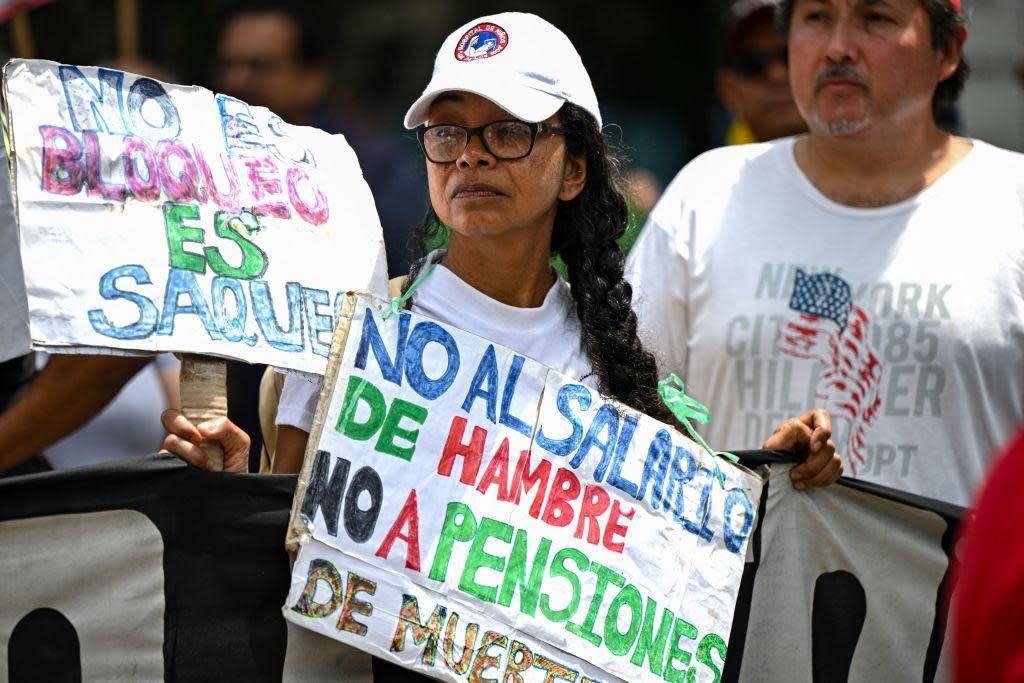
[{"x": 519, "y": 61}]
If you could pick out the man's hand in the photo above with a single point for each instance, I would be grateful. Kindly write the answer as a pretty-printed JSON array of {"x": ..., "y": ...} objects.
[
  {"x": 183, "y": 440},
  {"x": 809, "y": 434}
]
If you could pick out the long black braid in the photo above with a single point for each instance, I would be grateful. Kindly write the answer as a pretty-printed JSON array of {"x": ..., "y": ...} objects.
[{"x": 585, "y": 234}]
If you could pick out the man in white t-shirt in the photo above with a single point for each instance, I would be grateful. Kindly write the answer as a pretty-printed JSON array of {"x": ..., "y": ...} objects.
[{"x": 874, "y": 267}]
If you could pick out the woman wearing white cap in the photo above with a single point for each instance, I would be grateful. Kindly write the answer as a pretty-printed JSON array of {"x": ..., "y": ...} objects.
[{"x": 518, "y": 168}]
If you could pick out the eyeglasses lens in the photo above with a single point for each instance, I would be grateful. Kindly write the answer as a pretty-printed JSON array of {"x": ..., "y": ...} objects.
[
  {"x": 508, "y": 139},
  {"x": 444, "y": 143},
  {"x": 503, "y": 139}
]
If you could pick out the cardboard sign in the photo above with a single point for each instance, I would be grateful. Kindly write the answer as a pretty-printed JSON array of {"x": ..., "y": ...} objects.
[
  {"x": 469, "y": 512},
  {"x": 157, "y": 217}
]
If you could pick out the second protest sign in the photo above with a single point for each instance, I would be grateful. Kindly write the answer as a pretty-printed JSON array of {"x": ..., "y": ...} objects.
[{"x": 159, "y": 217}]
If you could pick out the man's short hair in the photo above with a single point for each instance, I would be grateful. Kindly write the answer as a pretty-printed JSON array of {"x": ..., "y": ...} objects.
[{"x": 945, "y": 20}]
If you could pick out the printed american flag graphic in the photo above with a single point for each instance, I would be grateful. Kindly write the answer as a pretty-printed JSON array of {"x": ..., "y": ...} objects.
[{"x": 830, "y": 329}]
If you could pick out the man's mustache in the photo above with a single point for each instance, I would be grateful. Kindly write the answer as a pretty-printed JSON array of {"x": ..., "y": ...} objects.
[{"x": 834, "y": 71}]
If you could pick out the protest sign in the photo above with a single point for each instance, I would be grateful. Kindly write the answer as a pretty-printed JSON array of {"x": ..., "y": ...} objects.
[
  {"x": 14, "y": 337},
  {"x": 469, "y": 512},
  {"x": 158, "y": 217}
]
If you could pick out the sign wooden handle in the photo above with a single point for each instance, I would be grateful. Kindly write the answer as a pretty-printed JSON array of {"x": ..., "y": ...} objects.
[{"x": 204, "y": 396}]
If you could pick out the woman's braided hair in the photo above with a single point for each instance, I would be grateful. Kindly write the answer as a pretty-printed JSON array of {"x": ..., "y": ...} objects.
[{"x": 585, "y": 234}]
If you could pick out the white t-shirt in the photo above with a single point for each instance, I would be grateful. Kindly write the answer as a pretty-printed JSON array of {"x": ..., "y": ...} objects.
[
  {"x": 905, "y": 321},
  {"x": 549, "y": 334}
]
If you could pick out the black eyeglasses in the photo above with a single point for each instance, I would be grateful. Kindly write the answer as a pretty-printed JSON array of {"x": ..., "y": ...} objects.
[
  {"x": 753, "y": 63},
  {"x": 444, "y": 143}
]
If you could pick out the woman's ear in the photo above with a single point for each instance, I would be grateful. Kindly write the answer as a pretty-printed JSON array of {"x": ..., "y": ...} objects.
[{"x": 574, "y": 177}]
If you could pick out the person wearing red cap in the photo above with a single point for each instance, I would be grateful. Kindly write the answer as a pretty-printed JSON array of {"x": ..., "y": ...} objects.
[
  {"x": 753, "y": 82},
  {"x": 874, "y": 263}
]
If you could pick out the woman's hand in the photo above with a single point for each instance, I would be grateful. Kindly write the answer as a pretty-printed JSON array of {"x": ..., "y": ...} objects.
[
  {"x": 809, "y": 434},
  {"x": 183, "y": 440}
]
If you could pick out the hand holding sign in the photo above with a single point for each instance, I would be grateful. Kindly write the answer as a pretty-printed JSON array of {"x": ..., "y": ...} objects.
[
  {"x": 185, "y": 440},
  {"x": 810, "y": 435}
]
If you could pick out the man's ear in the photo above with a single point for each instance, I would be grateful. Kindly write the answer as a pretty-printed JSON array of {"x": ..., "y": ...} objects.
[
  {"x": 951, "y": 53},
  {"x": 575, "y": 177}
]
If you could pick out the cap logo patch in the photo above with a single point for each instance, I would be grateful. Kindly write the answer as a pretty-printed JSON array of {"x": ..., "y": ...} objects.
[{"x": 483, "y": 40}]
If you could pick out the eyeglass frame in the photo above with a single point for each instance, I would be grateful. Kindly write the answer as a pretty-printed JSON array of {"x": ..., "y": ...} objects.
[{"x": 536, "y": 128}]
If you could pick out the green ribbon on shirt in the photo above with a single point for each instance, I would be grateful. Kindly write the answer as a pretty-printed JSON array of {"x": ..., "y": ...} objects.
[
  {"x": 398, "y": 302},
  {"x": 672, "y": 391}
]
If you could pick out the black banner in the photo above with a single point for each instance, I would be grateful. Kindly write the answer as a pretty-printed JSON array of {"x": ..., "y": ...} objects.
[{"x": 150, "y": 569}]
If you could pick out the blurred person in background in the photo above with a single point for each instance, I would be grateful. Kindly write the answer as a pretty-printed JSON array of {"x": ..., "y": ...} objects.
[
  {"x": 753, "y": 84},
  {"x": 875, "y": 263},
  {"x": 269, "y": 56}
]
